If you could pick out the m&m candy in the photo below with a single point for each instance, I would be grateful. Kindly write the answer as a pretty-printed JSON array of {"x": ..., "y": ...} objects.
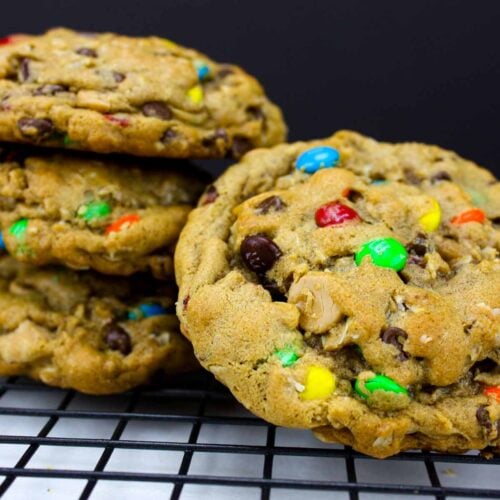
[
  {"x": 313, "y": 159},
  {"x": 7, "y": 40},
  {"x": 287, "y": 356},
  {"x": 430, "y": 220},
  {"x": 2, "y": 243},
  {"x": 478, "y": 198},
  {"x": 378, "y": 383},
  {"x": 472, "y": 215},
  {"x": 493, "y": 391},
  {"x": 334, "y": 213},
  {"x": 117, "y": 120},
  {"x": 384, "y": 252},
  {"x": 122, "y": 223},
  {"x": 202, "y": 70},
  {"x": 320, "y": 383},
  {"x": 147, "y": 310},
  {"x": 94, "y": 210},
  {"x": 19, "y": 228},
  {"x": 195, "y": 94}
]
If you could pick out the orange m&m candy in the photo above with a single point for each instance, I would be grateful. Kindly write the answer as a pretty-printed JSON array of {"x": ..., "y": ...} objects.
[
  {"x": 472, "y": 215},
  {"x": 122, "y": 223}
]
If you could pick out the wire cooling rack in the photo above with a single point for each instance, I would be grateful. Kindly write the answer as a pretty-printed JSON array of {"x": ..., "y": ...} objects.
[{"x": 193, "y": 440}]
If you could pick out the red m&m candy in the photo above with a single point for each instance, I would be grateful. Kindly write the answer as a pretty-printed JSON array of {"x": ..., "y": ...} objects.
[
  {"x": 11, "y": 39},
  {"x": 117, "y": 120},
  {"x": 334, "y": 213},
  {"x": 472, "y": 215},
  {"x": 122, "y": 223},
  {"x": 493, "y": 391}
]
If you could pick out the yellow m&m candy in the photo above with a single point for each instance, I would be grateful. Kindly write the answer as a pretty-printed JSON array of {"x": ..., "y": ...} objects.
[
  {"x": 320, "y": 383},
  {"x": 430, "y": 221},
  {"x": 195, "y": 94}
]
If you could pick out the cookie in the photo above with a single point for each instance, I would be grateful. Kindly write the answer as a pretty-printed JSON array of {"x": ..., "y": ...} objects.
[
  {"x": 81, "y": 330},
  {"x": 116, "y": 216},
  {"x": 142, "y": 96},
  {"x": 353, "y": 288}
]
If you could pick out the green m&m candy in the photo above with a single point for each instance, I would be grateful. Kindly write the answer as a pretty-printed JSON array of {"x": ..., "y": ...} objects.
[
  {"x": 18, "y": 229},
  {"x": 94, "y": 210},
  {"x": 378, "y": 383},
  {"x": 287, "y": 356},
  {"x": 384, "y": 252}
]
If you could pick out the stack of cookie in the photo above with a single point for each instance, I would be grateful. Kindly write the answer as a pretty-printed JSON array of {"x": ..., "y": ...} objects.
[
  {"x": 87, "y": 283},
  {"x": 343, "y": 285}
]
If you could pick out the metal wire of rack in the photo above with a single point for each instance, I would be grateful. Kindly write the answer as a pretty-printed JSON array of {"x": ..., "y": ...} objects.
[{"x": 243, "y": 456}]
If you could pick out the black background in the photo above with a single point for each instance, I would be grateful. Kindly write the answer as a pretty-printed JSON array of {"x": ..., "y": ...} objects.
[{"x": 397, "y": 70}]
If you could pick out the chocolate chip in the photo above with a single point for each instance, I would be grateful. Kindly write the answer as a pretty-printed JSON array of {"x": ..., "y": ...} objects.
[
  {"x": 24, "y": 70},
  {"x": 209, "y": 141},
  {"x": 39, "y": 128},
  {"x": 49, "y": 89},
  {"x": 483, "y": 418},
  {"x": 185, "y": 302},
  {"x": 411, "y": 177},
  {"x": 225, "y": 71},
  {"x": 211, "y": 195},
  {"x": 157, "y": 109},
  {"x": 255, "y": 112},
  {"x": 418, "y": 247},
  {"x": 354, "y": 195},
  {"x": 119, "y": 77},
  {"x": 241, "y": 145},
  {"x": 274, "y": 203},
  {"x": 272, "y": 287},
  {"x": 417, "y": 250},
  {"x": 168, "y": 135},
  {"x": 393, "y": 336},
  {"x": 259, "y": 253},
  {"x": 440, "y": 176},
  {"x": 117, "y": 338},
  {"x": 484, "y": 366},
  {"x": 85, "y": 51}
]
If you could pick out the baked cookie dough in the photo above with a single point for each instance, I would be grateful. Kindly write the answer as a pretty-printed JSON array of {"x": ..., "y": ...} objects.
[
  {"x": 115, "y": 216},
  {"x": 143, "y": 96},
  {"x": 96, "y": 334},
  {"x": 351, "y": 287}
]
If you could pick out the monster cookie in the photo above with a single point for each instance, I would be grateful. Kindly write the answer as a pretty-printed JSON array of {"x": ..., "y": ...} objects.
[
  {"x": 115, "y": 216},
  {"x": 93, "y": 333},
  {"x": 351, "y": 287},
  {"x": 142, "y": 96}
]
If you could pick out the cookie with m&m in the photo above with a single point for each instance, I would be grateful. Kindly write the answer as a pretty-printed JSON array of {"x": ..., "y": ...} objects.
[
  {"x": 79, "y": 330},
  {"x": 116, "y": 216},
  {"x": 351, "y": 287},
  {"x": 108, "y": 93}
]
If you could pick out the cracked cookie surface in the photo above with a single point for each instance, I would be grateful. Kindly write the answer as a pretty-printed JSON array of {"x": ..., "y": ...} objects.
[
  {"x": 96, "y": 334},
  {"x": 142, "y": 96},
  {"x": 117, "y": 216},
  {"x": 351, "y": 287}
]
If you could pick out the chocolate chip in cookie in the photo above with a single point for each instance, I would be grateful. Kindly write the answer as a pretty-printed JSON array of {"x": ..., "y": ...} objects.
[{"x": 117, "y": 338}]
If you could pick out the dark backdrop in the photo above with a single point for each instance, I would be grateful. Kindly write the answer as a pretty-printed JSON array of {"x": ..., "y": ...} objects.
[{"x": 423, "y": 70}]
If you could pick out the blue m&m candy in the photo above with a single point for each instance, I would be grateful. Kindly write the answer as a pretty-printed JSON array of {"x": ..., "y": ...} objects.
[
  {"x": 202, "y": 69},
  {"x": 149, "y": 310},
  {"x": 313, "y": 159},
  {"x": 146, "y": 311},
  {"x": 2, "y": 243}
]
